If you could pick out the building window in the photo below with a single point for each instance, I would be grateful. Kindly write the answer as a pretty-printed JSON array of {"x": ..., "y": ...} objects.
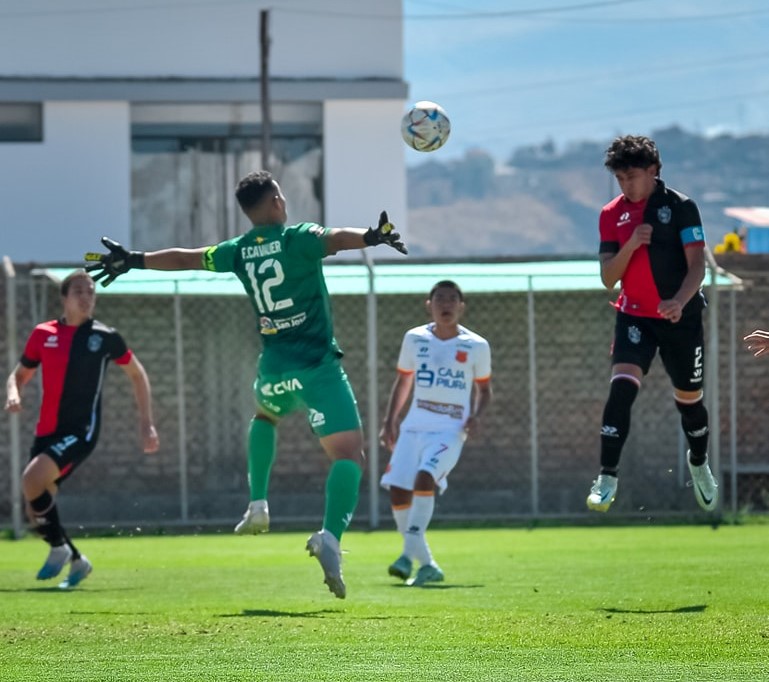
[
  {"x": 21, "y": 122},
  {"x": 187, "y": 159}
]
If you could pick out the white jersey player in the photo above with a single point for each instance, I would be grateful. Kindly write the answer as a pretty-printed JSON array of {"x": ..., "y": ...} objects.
[{"x": 448, "y": 369}]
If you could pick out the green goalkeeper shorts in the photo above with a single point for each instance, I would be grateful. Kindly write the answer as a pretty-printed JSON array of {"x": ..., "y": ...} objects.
[{"x": 323, "y": 391}]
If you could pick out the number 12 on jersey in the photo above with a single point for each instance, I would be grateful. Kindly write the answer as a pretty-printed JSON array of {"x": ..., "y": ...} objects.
[{"x": 263, "y": 294}]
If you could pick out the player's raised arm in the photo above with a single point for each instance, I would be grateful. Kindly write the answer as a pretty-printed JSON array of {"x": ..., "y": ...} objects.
[
  {"x": 119, "y": 260},
  {"x": 347, "y": 238}
]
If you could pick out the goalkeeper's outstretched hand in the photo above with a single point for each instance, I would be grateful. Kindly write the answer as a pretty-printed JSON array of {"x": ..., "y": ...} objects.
[
  {"x": 384, "y": 234},
  {"x": 109, "y": 266}
]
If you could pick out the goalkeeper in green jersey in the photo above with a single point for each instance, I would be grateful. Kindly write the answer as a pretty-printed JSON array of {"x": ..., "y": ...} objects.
[{"x": 279, "y": 266}]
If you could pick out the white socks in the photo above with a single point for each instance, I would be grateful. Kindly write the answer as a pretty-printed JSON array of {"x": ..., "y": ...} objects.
[
  {"x": 401, "y": 516},
  {"x": 414, "y": 544}
]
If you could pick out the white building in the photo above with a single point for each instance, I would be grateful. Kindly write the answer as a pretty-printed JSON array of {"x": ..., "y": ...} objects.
[{"x": 135, "y": 120}]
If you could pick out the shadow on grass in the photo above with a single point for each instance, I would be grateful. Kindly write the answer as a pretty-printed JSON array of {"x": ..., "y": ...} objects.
[
  {"x": 438, "y": 586},
  {"x": 65, "y": 590},
  {"x": 270, "y": 613},
  {"x": 697, "y": 608}
]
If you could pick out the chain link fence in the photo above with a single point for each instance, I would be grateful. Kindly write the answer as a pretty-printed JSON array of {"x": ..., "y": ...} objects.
[{"x": 535, "y": 457}]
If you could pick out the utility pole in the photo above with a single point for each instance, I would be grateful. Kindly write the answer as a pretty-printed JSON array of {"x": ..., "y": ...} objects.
[{"x": 264, "y": 42}]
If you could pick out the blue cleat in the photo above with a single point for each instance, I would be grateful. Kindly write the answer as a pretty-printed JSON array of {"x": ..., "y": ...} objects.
[
  {"x": 400, "y": 568},
  {"x": 57, "y": 559},
  {"x": 79, "y": 570},
  {"x": 429, "y": 573}
]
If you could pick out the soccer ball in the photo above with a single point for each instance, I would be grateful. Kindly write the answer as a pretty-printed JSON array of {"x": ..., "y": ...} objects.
[{"x": 425, "y": 127}]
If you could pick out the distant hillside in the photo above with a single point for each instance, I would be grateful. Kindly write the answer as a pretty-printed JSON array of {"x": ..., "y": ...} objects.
[{"x": 546, "y": 201}]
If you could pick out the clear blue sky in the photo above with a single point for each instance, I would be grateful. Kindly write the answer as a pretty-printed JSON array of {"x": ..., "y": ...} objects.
[{"x": 517, "y": 72}]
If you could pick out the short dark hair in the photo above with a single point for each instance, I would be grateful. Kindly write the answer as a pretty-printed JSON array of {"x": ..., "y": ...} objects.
[
  {"x": 71, "y": 277},
  {"x": 446, "y": 284},
  {"x": 253, "y": 188},
  {"x": 632, "y": 151}
]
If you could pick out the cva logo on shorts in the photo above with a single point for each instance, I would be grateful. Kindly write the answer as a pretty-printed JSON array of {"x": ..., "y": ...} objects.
[{"x": 282, "y": 387}]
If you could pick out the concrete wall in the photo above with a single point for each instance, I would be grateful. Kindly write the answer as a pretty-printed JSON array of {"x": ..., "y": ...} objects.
[
  {"x": 88, "y": 62},
  {"x": 76, "y": 185},
  {"x": 96, "y": 38},
  {"x": 362, "y": 146}
]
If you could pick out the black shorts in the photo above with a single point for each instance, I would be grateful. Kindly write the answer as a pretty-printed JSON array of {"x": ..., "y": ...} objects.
[
  {"x": 681, "y": 345},
  {"x": 66, "y": 449}
]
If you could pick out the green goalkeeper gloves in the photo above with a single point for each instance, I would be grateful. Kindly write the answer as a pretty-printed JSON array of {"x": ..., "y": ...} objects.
[
  {"x": 109, "y": 266},
  {"x": 384, "y": 234}
]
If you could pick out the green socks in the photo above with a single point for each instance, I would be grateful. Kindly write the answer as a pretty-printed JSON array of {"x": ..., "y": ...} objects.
[
  {"x": 342, "y": 483},
  {"x": 342, "y": 487},
  {"x": 262, "y": 444}
]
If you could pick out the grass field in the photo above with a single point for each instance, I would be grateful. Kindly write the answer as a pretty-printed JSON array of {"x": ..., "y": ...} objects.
[{"x": 571, "y": 604}]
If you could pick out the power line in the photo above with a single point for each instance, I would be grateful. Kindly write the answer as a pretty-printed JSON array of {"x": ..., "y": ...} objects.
[
  {"x": 612, "y": 116},
  {"x": 737, "y": 14},
  {"x": 607, "y": 76},
  {"x": 539, "y": 11},
  {"x": 544, "y": 13}
]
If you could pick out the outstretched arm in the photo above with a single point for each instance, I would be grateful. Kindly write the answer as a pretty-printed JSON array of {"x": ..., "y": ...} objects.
[
  {"x": 175, "y": 259},
  {"x": 143, "y": 394},
  {"x": 119, "y": 260},
  {"x": 347, "y": 238}
]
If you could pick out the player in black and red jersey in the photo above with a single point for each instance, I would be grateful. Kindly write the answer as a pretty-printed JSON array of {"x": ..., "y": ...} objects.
[
  {"x": 73, "y": 352},
  {"x": 653, "y": 242}
]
